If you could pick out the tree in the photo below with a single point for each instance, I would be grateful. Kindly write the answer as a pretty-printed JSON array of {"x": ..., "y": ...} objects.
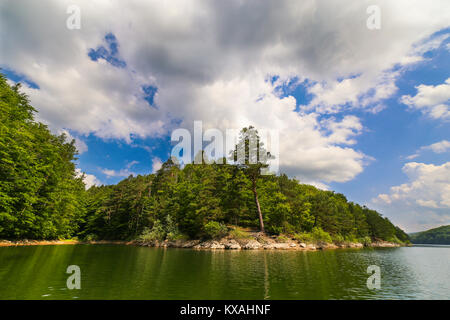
[
  {"x": 41, "y": 195},
  {"x": 250, "y": 155}
]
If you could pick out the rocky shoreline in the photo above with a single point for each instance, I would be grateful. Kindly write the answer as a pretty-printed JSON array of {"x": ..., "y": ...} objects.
[
  {"x": 263, "y": 243},
  {"x": 17, "y": 243},
  {"x": 253, "y": 244}
]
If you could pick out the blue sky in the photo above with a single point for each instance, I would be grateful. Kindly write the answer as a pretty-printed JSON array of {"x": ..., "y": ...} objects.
[
  {"x": 362, "y": 112},
  {"x": 396, "y": 132},
  {"x": 392, "y": 134}
]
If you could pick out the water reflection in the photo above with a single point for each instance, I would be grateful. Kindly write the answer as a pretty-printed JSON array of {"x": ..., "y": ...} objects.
[{"x": 125, "y": 272}]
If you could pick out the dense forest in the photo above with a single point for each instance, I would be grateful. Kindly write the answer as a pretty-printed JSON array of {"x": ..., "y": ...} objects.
[
  {"x": 440, "y": 235},
  {"x": 42, "y": 197}
]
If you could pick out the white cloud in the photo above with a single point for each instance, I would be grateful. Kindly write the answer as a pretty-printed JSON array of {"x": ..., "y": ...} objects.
[
  {"x": 310, "y": 149},
  {"x": 126, "y": 172},
  {"x": 438, "y": 147},
  {"x": 431, "y": 100},
  {"x": 426, "y": 197},
  {"x": 117, "y": 173},
  {"x": 89, "y": 179},
  {"x": 131, "y": 163},
  {"x": 429, "y": 185},
  {"x": 359, "y": 91},
  {"x": 79, "y": 144},
  {"x": 423, "y": 46},
  {"x": 318, "y": 185},
  {"x": 413, "y": 156},
  {"x": 156, "y": 164},
  {"x": 210, "y": 60}
]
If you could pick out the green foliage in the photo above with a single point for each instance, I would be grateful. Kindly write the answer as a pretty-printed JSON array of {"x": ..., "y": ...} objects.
[
  {"x": 172, "y": 232},
  {"x": 90, "y": 237},
  {"x": 365, "y": 241},
  {"x": 318, "y": 235},
  {"x": 403, "y": 237},
  {"x": 157, "y": 232},
  {"x": 215, "y": 230},
  {"x": 41, "y": 196},
  {"x": 252, "y": 158},
  {"x": 282, "y": 238},
  {"x": 338, "y": 239},
  {"x": 161, "y": 231},
  {"x": 305, "y": 237},
  {"x": 239, "y": 233},
  {"x": 440, "y": 235}
]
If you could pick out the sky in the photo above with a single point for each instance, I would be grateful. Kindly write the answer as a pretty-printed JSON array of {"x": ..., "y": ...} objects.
[{"x": 361, "y": 110}]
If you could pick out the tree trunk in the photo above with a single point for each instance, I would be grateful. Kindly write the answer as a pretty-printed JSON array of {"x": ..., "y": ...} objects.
[{"x": 258, "y": 208}]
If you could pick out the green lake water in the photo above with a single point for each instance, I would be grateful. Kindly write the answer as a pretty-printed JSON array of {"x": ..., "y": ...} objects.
[{"x": 128, "y": 272}]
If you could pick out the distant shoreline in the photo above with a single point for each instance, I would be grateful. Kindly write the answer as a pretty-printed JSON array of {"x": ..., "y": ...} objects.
[
  {"x": 222, "y": 244},
  {"x": 430, "y": 245}
]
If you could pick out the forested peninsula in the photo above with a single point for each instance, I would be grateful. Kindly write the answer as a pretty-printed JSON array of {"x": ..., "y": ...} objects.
[{"x": 43, "y": 197}]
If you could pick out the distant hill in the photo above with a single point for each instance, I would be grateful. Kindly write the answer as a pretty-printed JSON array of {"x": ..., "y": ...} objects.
[{"x": 440, "y": 235}]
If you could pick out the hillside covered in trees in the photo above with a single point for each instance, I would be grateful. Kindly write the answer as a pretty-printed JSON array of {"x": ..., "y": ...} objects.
[
  {"x": 200, "y": 201},
  {"x": 42, "y": 197},
  {"x": 440, "y": 235}
]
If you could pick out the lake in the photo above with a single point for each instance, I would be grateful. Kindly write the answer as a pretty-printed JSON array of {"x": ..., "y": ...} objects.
[{"x": 129, "y": 272}]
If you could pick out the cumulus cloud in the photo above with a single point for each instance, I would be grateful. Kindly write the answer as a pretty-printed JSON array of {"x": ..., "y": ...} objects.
[
  {"x": 117, "y": 173},
  {"x": 425, "y": 197},
  {"x": 210, "y": 61},
  {"x": 358, "y": 91},
  {"x": 429, "y": 186},
  {"x": 89, "y": 179},
  {"x": 79, "y": 144},
  {"x": 431, "y": 100},
  {"x": 125, "y": 172},
  {"x": 156, "y": 164},
  {"x": 310, "y": 149},
  {"x": 438, "y": 147}
]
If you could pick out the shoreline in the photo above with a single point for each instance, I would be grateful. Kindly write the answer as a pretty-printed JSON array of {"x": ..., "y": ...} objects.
[{"x": 222, "y": 244}]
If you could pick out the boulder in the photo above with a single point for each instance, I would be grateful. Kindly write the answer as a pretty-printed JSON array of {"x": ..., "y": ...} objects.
[
  {"x": 252, "y": 244},
  {"x": 327, "y": 246},
  {"x": 232, "y": 244},
  {"x": 210, "y": 244},
  {"x": 190, "y": 244},
  {"x": 279, "y": 246},
  {"x": 217, "y": 245}
]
